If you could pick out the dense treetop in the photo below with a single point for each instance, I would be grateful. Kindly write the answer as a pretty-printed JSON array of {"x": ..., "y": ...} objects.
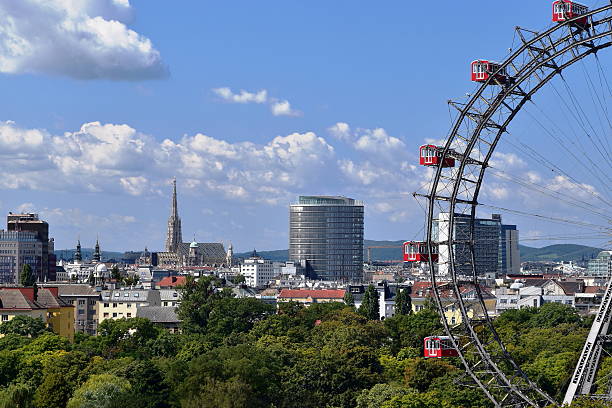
[{"x": 244, "y": 353}]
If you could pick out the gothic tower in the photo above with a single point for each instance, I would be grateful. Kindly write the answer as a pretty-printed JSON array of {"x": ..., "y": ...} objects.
[
  {"x": 97, "y": 256},
  {"x": 77, "y": 255},
  {"x": 175, "y": 236}
]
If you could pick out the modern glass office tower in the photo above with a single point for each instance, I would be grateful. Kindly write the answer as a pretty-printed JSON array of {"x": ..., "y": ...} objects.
[
  {"x": 326, "y": 236},
  {"x": 602, "y": 265},
  {"x": 495, "y": 245}
]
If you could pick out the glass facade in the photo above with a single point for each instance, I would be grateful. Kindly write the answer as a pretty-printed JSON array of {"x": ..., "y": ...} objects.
[
  {"x": 602, "y": 265},
  {"x": 486, "y": 244},
  {"x": 16, "y": 249},
  {"x": 326, "y": 234}
]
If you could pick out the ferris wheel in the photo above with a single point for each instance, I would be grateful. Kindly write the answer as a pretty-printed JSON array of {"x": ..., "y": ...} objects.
[{"x": 483, "y": 121}]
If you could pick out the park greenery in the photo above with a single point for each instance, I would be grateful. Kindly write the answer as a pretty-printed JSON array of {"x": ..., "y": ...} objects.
[{"x": 235, "y": 353}]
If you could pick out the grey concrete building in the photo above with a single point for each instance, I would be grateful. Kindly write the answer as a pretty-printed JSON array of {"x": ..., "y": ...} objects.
[
  {"x": 18, "y": 248},
  {"x": 84, "y": 299},
  {"x": 326, "y": 236},
  {"x": 85, "y": 302},
  {"x": 509, "y": 259},
  {"x": 31, "y": 222},
  {"x": 601, "y": 265},
  {"x": 487, "y": 232}
]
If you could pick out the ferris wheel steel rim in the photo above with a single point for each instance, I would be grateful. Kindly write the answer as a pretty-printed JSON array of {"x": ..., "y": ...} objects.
[{"x": 542, "y": 50}]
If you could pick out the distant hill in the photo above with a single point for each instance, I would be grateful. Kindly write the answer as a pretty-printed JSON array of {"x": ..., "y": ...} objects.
[
  {"x": 279, "y": 255},
  {"x": 561, "y": 252},
  {"x": 379, "y": 254},
  {"x": 87, "y": 253}
]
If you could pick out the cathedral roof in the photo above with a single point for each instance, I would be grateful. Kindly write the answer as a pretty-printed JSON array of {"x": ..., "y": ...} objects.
[{"x": 212, "y": 252}]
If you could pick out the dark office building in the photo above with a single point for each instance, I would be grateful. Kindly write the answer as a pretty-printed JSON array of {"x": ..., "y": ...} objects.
[
  {"x": 31, "y": 222},
  {"x": 326, "y": 235}
]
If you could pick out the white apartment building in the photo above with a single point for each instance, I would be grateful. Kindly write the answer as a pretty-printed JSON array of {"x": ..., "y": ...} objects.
[
  {"x": 120, "y": 303},
  {"x": 257, "y": 271}
]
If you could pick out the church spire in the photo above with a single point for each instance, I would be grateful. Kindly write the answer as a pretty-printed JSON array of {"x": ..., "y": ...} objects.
[
  {"x": 174, "y": 210},
  {"x": 96, "y": 255},
  {"x": 174, "y": 237},
  {"x": 77, "y": 255}
]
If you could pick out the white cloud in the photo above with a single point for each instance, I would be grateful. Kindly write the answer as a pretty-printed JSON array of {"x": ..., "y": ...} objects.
[
  {"x": 341, "y": 130},
  {"x": 371, "y": 141},
  {"x": 83, "y": 39},
  {"x": 134, "y": 185},
  {"x": 117, "y": 158},
  {"x": 283, "y": 108},
  {"x": 363, "y": 173},
  {"x": 243, "y": 96},
  {"x": 378, "y": 141},
  {"x": 277, "y": 107}
]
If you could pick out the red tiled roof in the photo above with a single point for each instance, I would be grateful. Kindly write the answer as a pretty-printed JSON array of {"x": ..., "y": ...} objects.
[
  {"x": 172, "y": 281},
  {"x": 593, "y": 289},
  {"x": 312, "y": 293},
  {"x": 424, "y": 289}
]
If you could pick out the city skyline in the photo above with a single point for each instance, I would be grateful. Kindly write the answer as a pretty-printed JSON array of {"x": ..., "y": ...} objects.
[{"x": 338, "y": 118}]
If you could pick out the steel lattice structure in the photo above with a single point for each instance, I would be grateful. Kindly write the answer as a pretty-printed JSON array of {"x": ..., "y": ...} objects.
[{"x": 480, "y": 124}]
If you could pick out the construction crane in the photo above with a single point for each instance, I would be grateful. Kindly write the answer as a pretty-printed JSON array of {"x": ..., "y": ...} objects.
[{"x": 379, "y": 247}]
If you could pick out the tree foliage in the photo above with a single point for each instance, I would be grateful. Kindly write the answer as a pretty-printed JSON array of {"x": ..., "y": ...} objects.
[
  {"x": 24, "y": 326},
  {"x": 370, "y": 303},
  {"x": 101, "y": 391},
  {"x": 239, "y": 353},
  {"x": 349, "y": 299},
  {"x": 403, "y": 302},
  {"x": 27, "y": 277}
]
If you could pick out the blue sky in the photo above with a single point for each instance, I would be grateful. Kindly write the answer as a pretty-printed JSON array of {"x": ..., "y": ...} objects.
[{"x": 101, "y": 118}]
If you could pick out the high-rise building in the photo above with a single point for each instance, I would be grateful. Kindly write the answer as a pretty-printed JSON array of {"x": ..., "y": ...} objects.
[
  {"x": 18, "y": 248},
  {"x": 326, "y": 235},
  {"x": 31, "y": 222},
  {"x": 174, "y": 237},
  {"x": 487, "y": 244},
  {"x": 509, "y": 260},
  {"x": 602, "y": 265}
]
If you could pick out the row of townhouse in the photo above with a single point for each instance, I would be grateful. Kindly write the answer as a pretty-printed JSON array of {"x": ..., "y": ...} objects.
[
  {"x": 44, "y": 304},
  {"x": 535, "y": 292},
  {"x": 92, "y": 306},
  {"x": 421, "y": 294}
]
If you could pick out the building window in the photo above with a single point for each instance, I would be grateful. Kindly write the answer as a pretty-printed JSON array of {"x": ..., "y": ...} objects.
[
  {"x": 106, "y": 305},
  {"x": 5, "y": 318},
  {"x": 81, "y": 302},
  {"x": 129, "y": 315},
  {"x": 105, "y": 314},
  {"x": 114, "y": 314},
  {"x": 129, "y": 305},
  {"x": 114, "y": 305}
]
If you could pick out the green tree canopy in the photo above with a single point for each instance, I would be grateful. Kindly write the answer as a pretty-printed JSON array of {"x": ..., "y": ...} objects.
[
  {"x": 101, "y": 391},
  {"x": 349, "y": 299},
  {"x": 24, "y": 326},
  {"x": 115, "y": 273},
  {"x": 27, "y": 277},
  {"x": 403, "y": 302},
  {"x": 370, "y": 304},
  {"x": 197, "y": 302}
]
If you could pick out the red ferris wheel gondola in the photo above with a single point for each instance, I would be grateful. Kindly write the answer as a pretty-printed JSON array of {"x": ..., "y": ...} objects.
[
  {"x": 415, "y": 251},
  {"x": 438, "y": 346},
  {"x": 482, "y": 70},
  {"x": 430, "y": 155},
  {"x": 564, "y": 10}
]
